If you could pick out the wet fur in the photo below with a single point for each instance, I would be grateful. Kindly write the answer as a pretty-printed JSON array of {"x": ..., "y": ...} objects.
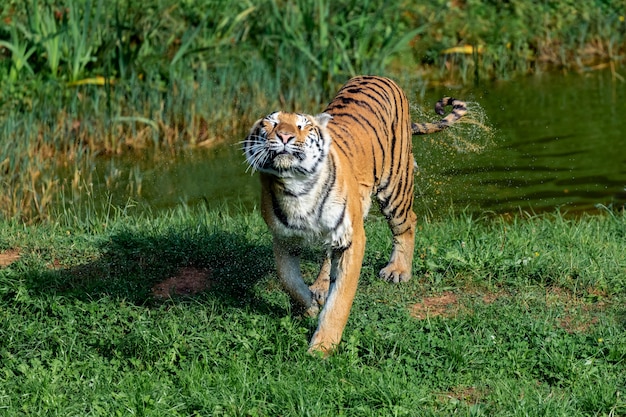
[{"x": 318, "y": 174}]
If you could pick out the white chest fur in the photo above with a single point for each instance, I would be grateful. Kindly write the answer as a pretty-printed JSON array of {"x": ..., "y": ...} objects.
[{"x": 312, "y": 209}]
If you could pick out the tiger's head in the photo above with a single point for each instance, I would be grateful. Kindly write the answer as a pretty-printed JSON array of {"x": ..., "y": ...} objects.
[{"x": 288, "y": 145}]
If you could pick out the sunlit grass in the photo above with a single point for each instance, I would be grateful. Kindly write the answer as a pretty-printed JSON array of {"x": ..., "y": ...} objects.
[{"x": 502, "y": 317}]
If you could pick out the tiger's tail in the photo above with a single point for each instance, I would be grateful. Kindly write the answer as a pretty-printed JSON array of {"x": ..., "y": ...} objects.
[{"x": 459, "y": 109}]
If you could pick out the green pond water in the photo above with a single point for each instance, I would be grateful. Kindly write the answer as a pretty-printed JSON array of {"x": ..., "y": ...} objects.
[{"x": 553, "y": 141}]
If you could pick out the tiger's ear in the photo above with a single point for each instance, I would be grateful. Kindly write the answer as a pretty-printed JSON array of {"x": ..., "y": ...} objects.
[{"x": 322, "y": 119}]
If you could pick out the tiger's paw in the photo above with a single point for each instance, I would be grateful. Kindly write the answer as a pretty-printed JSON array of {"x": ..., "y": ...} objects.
[
  {"x": 319, "y": 292},
  {"x": 391, "y": 273},
  {"x": 323, "y": 344},
  {"x": 313, "y": 310},
  {"x": 321, "y": 351},
  {"x": 321, "y": 286}
]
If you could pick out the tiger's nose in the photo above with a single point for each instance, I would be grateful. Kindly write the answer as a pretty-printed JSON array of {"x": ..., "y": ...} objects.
[{"x": 285, "y": 136}]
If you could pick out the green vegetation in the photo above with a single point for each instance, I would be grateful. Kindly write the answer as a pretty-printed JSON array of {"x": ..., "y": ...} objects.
[
  {"x": 507, "y": 318},
  {"x": 523, "y": 316},
  {"x": 80, "y": 78}
]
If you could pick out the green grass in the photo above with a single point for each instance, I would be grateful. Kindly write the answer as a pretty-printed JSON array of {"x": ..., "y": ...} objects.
[
  {"x": 517, "y": 317},
  {"x": 526, "y": 317}
]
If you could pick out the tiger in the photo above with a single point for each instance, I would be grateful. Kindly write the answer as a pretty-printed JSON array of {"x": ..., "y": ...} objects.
[{"x": 318, "y": 174}]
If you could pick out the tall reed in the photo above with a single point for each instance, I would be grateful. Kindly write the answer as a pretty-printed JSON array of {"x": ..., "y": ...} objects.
[{"x": 86, "y": 78}]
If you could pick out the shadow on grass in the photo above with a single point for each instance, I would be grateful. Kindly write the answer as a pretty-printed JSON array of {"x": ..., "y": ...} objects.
[{"x": 131, "y": 263}]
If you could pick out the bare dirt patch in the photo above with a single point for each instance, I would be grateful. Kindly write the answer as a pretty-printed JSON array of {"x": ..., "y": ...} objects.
[
  {"x": 583, "y": 320},
  {"x": 445, "y": 304},
  {"x": 578, "y": 323},
  {"x": 580, "y": 313},
  {"x": 7, "y": 257},
  {"x": 188, "y": 281}
]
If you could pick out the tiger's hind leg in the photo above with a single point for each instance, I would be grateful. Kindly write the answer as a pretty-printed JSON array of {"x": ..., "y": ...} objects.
[
  {"x": 402, "y": 221},
  {"x": 320, "y": 287},
  {"x": 400, "y": 263}
]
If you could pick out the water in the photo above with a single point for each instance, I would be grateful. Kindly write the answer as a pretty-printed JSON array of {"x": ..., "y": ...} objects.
[
  {"x": 560, "y": 141},
  {"x": 555, "y": 141}
]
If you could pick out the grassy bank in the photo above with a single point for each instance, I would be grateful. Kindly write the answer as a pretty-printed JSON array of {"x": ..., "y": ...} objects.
[
  {"x": 517, "y": 317},
  {"x": 85, "y": 78}
]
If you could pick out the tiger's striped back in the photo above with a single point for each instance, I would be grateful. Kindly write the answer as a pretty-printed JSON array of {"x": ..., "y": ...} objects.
[{"x": 371, "y": 127}]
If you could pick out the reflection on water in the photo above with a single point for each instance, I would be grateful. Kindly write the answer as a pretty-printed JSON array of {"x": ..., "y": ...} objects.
[
  {"x": 556, "y": 141},
  {"x": 560, "y": 142}
]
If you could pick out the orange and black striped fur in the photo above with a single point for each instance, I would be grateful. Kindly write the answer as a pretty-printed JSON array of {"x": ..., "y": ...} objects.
[{"x": 318, "y": 174}]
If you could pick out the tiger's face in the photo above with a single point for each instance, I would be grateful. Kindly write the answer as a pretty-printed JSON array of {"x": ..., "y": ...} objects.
[{"x": 288, "y": 145}]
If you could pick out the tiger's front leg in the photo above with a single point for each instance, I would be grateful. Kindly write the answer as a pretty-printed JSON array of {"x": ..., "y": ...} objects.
[
  {"x": 345, "y": 268},
  {"x": 288, "y": 268}
]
